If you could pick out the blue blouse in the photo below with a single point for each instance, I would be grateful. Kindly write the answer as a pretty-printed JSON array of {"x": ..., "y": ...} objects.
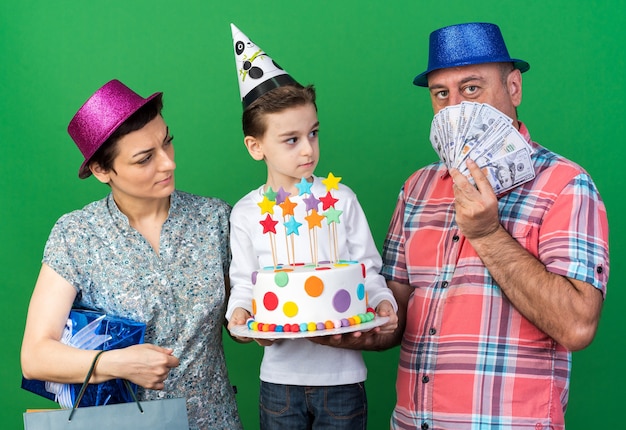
[{"x": 179, "y": 293}]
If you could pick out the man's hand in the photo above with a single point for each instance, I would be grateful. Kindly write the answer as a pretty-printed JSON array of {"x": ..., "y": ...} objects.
[
  {"x": 476, "y": 207},
  {"x": 385, "y": 309},
  {"x": 378, "y": 338}
]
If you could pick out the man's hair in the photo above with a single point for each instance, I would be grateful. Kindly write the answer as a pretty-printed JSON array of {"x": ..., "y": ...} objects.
[
  {"x": 274, "y": 101},
  {"x": 505, "y": 70},
  {"x": 105, "y": 155}
]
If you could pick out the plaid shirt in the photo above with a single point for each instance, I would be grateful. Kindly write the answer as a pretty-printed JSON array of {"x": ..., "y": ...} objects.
[{"x": 468, "y": 358}]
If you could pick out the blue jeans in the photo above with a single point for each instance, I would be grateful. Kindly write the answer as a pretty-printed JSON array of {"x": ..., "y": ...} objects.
[{"x": 295, "y": 407}]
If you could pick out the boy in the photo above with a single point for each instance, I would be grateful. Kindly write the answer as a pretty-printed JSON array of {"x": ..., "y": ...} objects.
[{"x": 303, "y": 384}]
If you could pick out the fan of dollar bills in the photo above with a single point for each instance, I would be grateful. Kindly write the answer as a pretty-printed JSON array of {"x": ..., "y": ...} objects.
[{"x": 487, "y": 136}]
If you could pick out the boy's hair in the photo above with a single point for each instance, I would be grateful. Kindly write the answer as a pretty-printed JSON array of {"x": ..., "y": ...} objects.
[{"x": 276, "y": 100}]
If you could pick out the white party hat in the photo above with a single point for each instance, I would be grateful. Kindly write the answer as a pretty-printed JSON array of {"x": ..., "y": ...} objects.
[{"x": 257, "y": 73}]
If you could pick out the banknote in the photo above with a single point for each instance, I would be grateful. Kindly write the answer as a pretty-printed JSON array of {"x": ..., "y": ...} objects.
[
  {"x": 487, "y": 124},
  {"x": 509, "y": 171},
  {"x": 509, "y": 142},
  {"x": 436, "y": 139},
  {"x": 467, "y": 113},
  {"x": 487, "y": 136}
]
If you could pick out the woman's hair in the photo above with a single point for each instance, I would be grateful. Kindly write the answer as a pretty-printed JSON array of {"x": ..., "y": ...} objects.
[
  {"x": 274, "y": 101},
  {"x": 105, "y": 155}
]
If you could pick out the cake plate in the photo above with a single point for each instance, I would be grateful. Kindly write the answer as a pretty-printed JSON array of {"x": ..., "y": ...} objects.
[{"x": 244, "y": 331}]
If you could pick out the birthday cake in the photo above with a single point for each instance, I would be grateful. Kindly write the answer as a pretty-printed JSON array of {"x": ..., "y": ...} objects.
[
  {"x": 309, "y": 297},
  {"x": 312, "y": 296}
]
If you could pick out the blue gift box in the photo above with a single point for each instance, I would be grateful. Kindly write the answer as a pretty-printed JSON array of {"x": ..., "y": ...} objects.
[{"x": 86, "y": 329}]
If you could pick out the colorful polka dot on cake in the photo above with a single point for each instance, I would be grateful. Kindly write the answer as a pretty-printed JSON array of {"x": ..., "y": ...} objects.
[
  {"x": 314, "y": 286},
  {"x": 341, "y": 301},
  {"x": 270, "y": 301}
]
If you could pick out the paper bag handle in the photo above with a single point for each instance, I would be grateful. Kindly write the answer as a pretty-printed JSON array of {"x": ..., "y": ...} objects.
[{"x": 86, "y": 383}]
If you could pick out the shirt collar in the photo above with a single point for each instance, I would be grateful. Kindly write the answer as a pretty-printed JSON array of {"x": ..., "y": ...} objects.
[{"x": 119, "y": 217}]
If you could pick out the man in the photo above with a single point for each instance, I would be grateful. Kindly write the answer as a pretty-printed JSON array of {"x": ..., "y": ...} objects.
[
  {"x": 493, "y": 292},
  {"x": 496, "y": 291}
]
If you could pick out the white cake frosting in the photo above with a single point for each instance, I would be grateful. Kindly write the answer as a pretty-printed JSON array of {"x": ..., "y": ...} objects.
[{"x": 309, "y": 295}]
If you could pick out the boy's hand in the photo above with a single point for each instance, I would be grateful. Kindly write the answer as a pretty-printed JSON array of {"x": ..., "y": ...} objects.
[{"x": 240, "y": 317}]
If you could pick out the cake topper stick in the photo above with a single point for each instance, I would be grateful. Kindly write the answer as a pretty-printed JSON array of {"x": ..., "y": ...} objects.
[
  {"x": 314, "y": 246},
  {"x": 269, "y": 227},
  {"x": 273, "y": 245},
  {"x": 335, "y": 242},
  {"x": 291, "y": 226},
  {"x": 289, "y": 259},
  {"x": 332, "y": 214},
  {"x": 314, "y": 219},
  {"x": 332, "y": 234}
]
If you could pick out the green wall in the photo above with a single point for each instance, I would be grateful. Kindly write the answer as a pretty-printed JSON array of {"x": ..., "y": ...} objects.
[{"x": 362, "y": 56}]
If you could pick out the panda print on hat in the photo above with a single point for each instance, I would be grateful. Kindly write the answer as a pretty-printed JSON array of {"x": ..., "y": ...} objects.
[{"x": 257, "y": 73}]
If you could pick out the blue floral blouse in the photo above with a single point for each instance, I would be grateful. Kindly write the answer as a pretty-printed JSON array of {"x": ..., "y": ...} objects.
[{"x": 179, "y": 293}]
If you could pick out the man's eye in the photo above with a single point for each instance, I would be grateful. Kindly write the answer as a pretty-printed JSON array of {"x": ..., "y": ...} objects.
[
  {"x": 291, "y": 141},
  {"x": 442, "y": 94}
]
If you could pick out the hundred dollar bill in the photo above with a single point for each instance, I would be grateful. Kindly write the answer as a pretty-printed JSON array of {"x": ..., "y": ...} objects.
[
  {"x": 487, "y": 136},
  {"x": 449, "y": 123},
  {"x": 487, "y": 123},
  {"x": 467, "y": 113},
  {"x": 508, "y": 172},
  {"x": 436, "y": 141},
  {"x": 439, "y": 141},
  {"x": 510, "y": 141}
]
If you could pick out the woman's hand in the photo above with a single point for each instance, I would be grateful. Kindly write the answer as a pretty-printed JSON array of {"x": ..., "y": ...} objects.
[{"x": 146, "y": 365}]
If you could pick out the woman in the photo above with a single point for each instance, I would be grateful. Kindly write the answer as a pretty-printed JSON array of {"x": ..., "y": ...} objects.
[{"x": 145, "y": 252}]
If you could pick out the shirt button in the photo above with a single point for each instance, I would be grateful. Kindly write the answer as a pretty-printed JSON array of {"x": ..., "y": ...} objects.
[
  {"x": 444, "y": 284},
  {"x": 425, "y": 379},
  {"x": 432, "y": 331},
  {"x": 424, "y": 426},
  {"x": 455, "y": 238},
  {"x": 599, "y": 269},
  {"x": 163, "y": 281}
]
